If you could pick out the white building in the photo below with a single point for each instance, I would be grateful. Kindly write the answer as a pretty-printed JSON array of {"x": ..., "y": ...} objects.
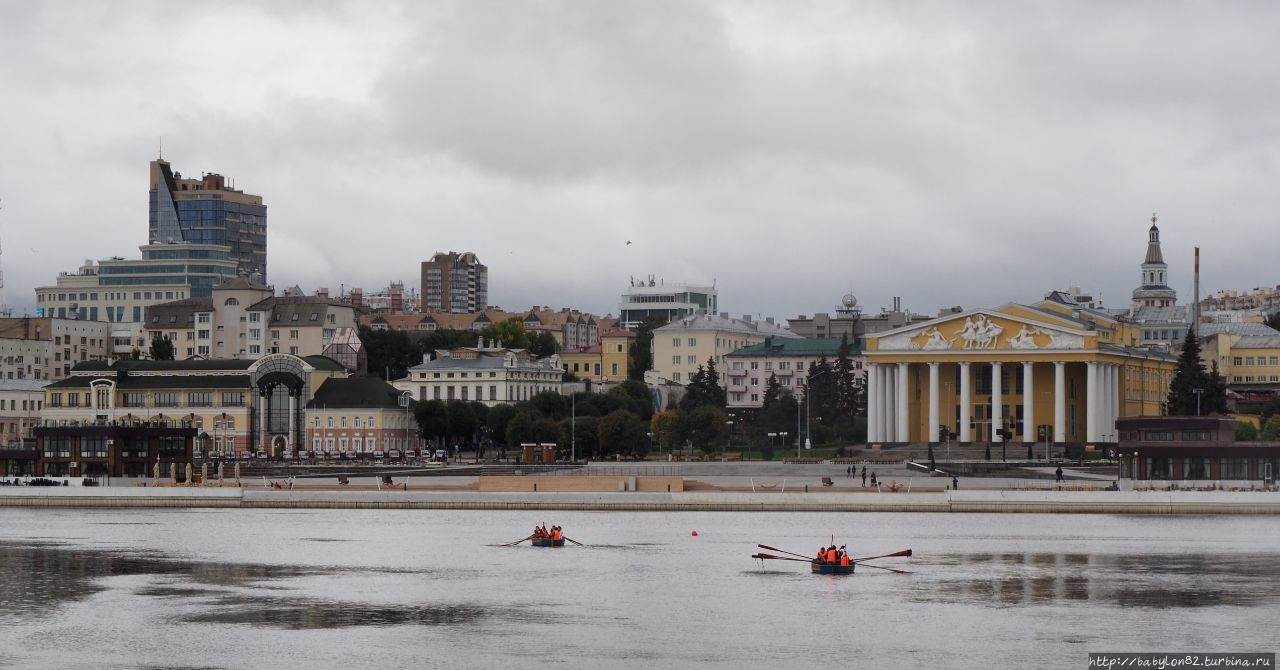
[
  {"x": 20, "y": 404},
  {"x": 483, "y": 374},
  {"x": 650, "y": 297},
  {"x": 47, "y": 348},
  {"x": 686, "y": 343}
]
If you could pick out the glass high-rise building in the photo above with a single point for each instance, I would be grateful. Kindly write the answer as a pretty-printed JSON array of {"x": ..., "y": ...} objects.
[{"x": 208, "y": 211}]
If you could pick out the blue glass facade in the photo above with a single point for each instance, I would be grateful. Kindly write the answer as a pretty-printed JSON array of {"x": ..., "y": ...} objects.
[{"x": 209, "y": 214}]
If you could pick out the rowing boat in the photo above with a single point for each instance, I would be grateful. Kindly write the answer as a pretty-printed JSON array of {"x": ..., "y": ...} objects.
[
  {"x": 546, "y": 542},
  {"x": 830, "y": 568}
]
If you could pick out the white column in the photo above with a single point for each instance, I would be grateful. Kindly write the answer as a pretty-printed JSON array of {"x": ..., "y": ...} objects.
[
  {"x": 932, "y": 435},
  {"x": 966, "y": 412},
  {"x": 1091, "y": 402},
  {"x": 1113, "y": 404},
  {"x": 873, "y": 402},
  {"x": 900, "y": 407},
  {"x": 1059, "y": 401},
  {"x": 886, "y": 407},
  {"x": 1028, "y": 402},
  {"x": 997, "y": 403}
]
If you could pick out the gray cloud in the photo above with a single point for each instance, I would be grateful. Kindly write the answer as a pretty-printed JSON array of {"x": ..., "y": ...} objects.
[{"x": 790, "y": 152}]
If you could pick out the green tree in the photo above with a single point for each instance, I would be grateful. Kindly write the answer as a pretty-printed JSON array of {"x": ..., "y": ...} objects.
[
  {"x": 1273, "y": 321},
  {"x": 822, "y": 385},
  {"x": 703, "y": 389},
  {"x": 1246, "y": 432},
  {"x": 772, "y": 391},
  {"x": 641, "y": 398},
  {"x": 707, "y": 429},
  {"x": 433, "y": 420},
  {"x": 848, "y": 391},
  {"x": 510, "y": 333},
  {"x": 446, "y": 338},
  {"x": 641, "y": 354},
  {"x": 462, "y": 421},
  {"x": 161, "y": 348},
  {"x": 498, "y": 418},
  {"x": 550, "y": 404},
  {"x": 622, "y": 433},
  {"x": 668, "y": 428},
  {"x": 586, "y": 431},
  {"x": 390, "y": 352},
  {"x": 542, "y": 344},
  {"x": 1190, "y": 382},
  {"x": 520, "y": 428},
  {"x": 1271, "y": 429}
]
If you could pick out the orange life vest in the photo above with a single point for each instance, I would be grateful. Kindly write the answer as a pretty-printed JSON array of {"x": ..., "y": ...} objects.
[
  {"x": 555, "y": 534},
  {"x": 844, "y": 560}
]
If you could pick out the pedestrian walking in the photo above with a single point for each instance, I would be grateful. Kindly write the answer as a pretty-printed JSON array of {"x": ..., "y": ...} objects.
[
  {"x": 864, "y": 476},
  {"x": 955, "y": 483},
  {"x": 873, "y": 479},
  {"x": 1059, "y": 473}
]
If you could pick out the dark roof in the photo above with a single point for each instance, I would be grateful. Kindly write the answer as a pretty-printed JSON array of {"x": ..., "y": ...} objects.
[
  {"x": 147, "y": 365},
  {"x": 240, "y": 283},
  {"x": 356, "y": 392},
  {"x": 162, "y": 382},
  {"x": 324, "y": 363},
  {"x": 176, "y": 313}
]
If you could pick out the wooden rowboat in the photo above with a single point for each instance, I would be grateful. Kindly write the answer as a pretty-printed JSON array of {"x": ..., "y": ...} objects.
[
  {"x": 546, "y": 542},
  {"x": 830, "y": 569}
]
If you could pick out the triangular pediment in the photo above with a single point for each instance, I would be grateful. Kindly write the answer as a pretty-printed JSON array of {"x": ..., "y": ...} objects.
[{"x": 983, "y": 330}]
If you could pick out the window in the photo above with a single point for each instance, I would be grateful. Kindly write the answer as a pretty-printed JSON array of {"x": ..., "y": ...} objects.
[
  {"x": 1238, "y": 360},
  {"x": 1159, "y": 436},
  {"x": 675, "y": 360},
  {"x": 344, "y": 422},
  {"x": 693, "y": 341},
  {"x": 133, "y": 399},
  {"x": 675, "y": 376},
  {"x": 233, "y": 398},
  {"x": 293, "y": 334},
  {"x": 692, "y": 360},
  {"x": 675, "y": 342},
  {"x": 166, "y": 399},
  {"x": 1234, "y": 468},
  {"x": 200, "y": 399}
]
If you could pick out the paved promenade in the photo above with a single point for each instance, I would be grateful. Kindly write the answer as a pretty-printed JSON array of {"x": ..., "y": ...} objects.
[{"x": 765, "y": 487}]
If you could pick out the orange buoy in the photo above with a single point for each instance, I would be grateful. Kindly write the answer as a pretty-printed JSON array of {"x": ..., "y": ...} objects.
[{"x": 694, "y": 533}]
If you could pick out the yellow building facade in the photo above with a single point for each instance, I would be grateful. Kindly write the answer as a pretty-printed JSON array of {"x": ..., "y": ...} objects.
[{"x": 1022, "y": 373}]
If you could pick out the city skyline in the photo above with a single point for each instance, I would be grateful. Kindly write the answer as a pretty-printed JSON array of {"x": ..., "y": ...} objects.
[{"x": 945, "y": 155}]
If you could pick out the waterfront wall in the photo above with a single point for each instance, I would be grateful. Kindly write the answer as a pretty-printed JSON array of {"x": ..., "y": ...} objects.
[
  {"x": 1100, "y": 502},
  {"x": 574, "y": 483}
]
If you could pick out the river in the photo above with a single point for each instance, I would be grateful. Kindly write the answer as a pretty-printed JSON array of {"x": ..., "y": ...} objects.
[{"x": 351, "y": 589}]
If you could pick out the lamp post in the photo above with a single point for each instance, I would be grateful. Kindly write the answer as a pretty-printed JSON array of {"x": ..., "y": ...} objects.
[
  {"x": 1199, "y": 392},
  {"x": 728, "y": 440},
  {"x": 573, "y": 427}
]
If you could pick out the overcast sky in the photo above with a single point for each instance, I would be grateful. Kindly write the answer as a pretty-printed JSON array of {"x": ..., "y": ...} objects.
[{"x": 790, "y": 152}]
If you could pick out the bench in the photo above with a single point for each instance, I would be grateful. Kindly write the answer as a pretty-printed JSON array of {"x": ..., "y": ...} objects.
[{"x": 826, "y": 481}]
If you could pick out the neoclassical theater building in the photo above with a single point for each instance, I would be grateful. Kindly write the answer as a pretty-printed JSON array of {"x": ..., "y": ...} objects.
[{"x": 1051, "y": 371}]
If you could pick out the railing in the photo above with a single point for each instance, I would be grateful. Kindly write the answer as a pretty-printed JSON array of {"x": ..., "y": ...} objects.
[{"x": 568, "y": 470}]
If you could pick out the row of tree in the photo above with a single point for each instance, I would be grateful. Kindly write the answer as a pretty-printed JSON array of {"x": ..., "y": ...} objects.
[
  {"x": 590, "y": 425},
  {"x": 392, "y": 352}
]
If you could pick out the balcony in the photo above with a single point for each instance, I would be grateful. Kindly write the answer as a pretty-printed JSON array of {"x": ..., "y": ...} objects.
[{"x": 737, "y": 373}]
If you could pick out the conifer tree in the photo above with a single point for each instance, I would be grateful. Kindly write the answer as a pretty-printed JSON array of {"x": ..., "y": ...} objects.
[{"x": 1191, "y": 384}]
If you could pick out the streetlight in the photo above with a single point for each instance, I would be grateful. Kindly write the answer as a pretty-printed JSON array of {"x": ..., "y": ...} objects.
[
  {"x": 808, "y": 386},
  {"x": 728, "y": 440},
  {"x": 1199, "y": 392}
]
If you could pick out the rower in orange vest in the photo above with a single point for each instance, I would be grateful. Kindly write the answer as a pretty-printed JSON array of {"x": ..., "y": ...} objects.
[{"x": 555, "y": 532}]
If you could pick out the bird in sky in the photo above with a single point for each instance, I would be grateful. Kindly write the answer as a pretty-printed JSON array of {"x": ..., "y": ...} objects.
[{"x": 628, "y": 242}]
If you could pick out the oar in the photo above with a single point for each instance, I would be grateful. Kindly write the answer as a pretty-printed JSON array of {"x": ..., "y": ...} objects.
[
  {"x": 780, "y": 558},
  {"x": 512, "y": 544},
  {"x": 904, "y": 552},
  {"x": 783, "y": 551},
  {"x": 881, "y": 567},
  {"x": 573, "y": 541}
]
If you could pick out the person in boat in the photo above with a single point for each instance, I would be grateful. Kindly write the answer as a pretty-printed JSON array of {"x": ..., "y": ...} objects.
[
  {"x": 555, "y": 533},
  {"x": 822, "y": 555},
  {"x": 833, "y": 556},
  {"x": 844, "y": 557}
]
